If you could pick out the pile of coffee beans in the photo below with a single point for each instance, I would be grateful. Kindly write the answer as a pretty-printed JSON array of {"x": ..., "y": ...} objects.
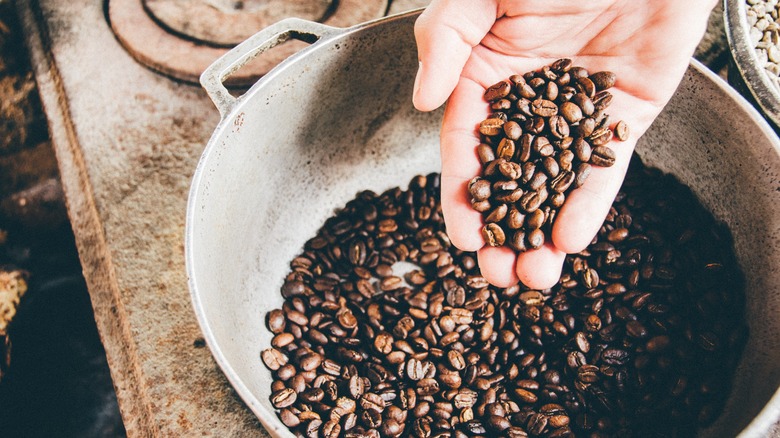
[
  {"x": 639, "y": 338},
  {"x": 547, "y": 129}
]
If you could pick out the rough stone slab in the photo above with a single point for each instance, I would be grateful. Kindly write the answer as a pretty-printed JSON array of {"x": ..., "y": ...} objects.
[{"x": 127, "y": 141}]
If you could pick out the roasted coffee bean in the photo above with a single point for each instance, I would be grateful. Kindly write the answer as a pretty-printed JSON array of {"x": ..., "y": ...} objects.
[
  {"x": 510, "y": 170},
  {"x": 583, "y": 172},
  {"x": 498, "y": 91},
  {"x": 584, "y": 103},
  {"x": 284, "y": 398},
  {"x": 602, "y": 156},
  {"x": 491, "y": 127},
  {"x": 535, "y": 238},
  {"x": 479, "y": 189},
  {"x": 512, "y": 130},
  {"x": 621, "y": 130},
  {"x": 559, "y": 127},
  {"x": 603, "y": 80},
  {"x": 505, "y": 149},
  {"x": 276, "y": 321},
  {"x": 542, "y": 147},
  {"x": 571, "y": 112},
  {"x": 274, "y": 359},
  {"x": 600, "y": 136},
  {"x": 486, "y": 153},
  {"x": 493, "y": 234}
]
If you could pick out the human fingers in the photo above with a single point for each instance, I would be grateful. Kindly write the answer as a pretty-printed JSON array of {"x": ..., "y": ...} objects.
[
  {"x": 459, "y": 164},
  {"x": 445, "y": 33},
  {"x": 496, "y": 265},
  {"x": 540, "y": 268},
  {"x": 585, "y": 208}
]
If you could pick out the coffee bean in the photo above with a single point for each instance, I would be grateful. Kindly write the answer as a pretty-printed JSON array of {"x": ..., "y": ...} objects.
[
  {"x": 603, "y": 80},
  {"x": 284, "y": 398},
  {"x": 544, "y": 108},
  {"x": 525, "y": 395},
  {"x": 512, "y": 130},
  {"x": 535, "y": 239},
  {"x": 491, "y": 127},
  {"x": 493, "y": 234},
  {"x": 505, "y": 149},
  {"x": 571, "y": 112},
  {"x": 600, "y": 136},
  {"x": 498, "y": 91},
  {"x": 510, "y": 170},
  {"x": 621, "y": 131},
  {"x": 542, "y": 147},
  {"x": 427, "y": 387},
  {"x": 602, "y": 156},
  {"x": 274, "y": 359},
  {"x": 583, "y": 172},
  {"x": 559, "y": 127},
  {"x": 479, "y": 189},
  {"x": 276, "y": 321}
]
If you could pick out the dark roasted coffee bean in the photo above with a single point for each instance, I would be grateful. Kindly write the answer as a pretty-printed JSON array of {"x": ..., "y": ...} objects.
[
  {"x": 491, "y": 127},
  {"x": 571, "y": 112},
  {"x": 510, "y": 170},
  {"x": 535, "y": 239},
  {"x": 586, "y": 86},
  {"x": 550, "y": 167},
  {"x": 486, "y": 153},
  {"x": 498, "y": 214},
  {"x": 274, "y": 359},
  {"x": 583, "y": 172},
  {"x": 602, "y": 156},
  {"x": 559, "y": 128},
  {"x": 542, "y": 147},
  {"x": 276, "y": 321},
  {"x": 601, "y": 101},
  {"x": 479, "y": 189},
  {"x": 530, "y": 202},
  {"x": 603, "y": 80},
  {"x": 498, "y": 91},
  {"x": 493, "y": 235},
  {"x": 600, "y": 136},
  {"x": 544, "y": 108},
  {"x": 284, "y": 398},
  {"x": 505, "y": 149},
  {"x": 582, "y": 150}
]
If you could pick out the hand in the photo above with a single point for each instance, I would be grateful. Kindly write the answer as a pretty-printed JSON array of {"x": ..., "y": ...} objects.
[{"x": 467, "y": 45}]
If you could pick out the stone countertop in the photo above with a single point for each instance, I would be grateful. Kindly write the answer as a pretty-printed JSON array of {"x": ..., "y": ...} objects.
[{"x": 127, "y": 141}]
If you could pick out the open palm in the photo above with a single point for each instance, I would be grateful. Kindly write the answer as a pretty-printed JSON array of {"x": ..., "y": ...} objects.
[{"x": 467, "y": 45}]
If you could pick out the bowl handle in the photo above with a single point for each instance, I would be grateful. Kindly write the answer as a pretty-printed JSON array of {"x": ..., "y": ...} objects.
[{"x": 214, "y": 76}]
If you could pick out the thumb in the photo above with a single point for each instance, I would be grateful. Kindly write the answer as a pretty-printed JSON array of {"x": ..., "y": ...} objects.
[{"x": 445, "y": 34}]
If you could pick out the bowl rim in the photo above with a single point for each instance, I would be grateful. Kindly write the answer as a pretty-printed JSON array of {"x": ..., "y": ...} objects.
[
  {"x": 268, "y": 418},
  {"x": 766, "y": 95}
]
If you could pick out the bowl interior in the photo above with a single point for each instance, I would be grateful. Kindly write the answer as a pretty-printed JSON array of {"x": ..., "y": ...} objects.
[
  {"x": 752, "y": 78},
  {"x": 338, "y": 120}
]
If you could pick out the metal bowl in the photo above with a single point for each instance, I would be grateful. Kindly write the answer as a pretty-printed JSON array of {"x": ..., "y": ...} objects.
[
  {"x": 746, "y": 73},
  {"x": 337, "y": 118}
]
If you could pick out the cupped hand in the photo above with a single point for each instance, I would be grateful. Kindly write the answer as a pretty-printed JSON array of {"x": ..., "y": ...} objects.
[{"x": 465, "y": 46}]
